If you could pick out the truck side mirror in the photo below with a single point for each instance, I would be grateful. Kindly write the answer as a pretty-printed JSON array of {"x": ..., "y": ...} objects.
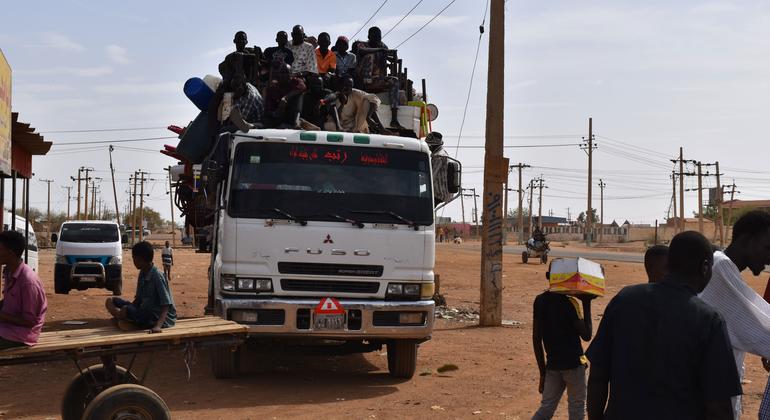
[
  {"x": 453, "y": 177},
  {"x": 54, "y": 238}
]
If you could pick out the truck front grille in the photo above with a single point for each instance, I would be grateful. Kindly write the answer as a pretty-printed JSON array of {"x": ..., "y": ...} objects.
[
  {"x": 89, "y": 270},
  {"x": 318, "y": 269},
  {"x": 329, "y": 286}
]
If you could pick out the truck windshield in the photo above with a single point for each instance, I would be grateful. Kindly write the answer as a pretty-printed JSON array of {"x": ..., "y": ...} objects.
[
  {"x": 89, "y": 232},
  {"x": 324, "y": 182}
]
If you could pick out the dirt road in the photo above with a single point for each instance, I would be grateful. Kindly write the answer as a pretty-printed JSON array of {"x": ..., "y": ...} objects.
[{"x": 496, "y": 376}]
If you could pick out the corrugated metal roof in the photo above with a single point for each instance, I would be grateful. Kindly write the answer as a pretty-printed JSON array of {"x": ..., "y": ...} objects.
[{"x": 25, "y": 136}]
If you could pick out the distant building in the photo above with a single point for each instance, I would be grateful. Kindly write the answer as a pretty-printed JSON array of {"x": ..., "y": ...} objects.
[
  {"x": 751, "y": 204},
  {"x": 550, "y": 221}
]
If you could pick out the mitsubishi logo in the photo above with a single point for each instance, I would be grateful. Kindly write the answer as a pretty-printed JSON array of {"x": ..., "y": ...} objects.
[{"x": 328, "y": 239}]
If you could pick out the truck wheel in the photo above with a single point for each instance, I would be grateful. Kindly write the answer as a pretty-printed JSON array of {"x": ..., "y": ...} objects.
[
  {"x": 61, "y": 285},
  {"x": 402, "y": 358},
  {"x": 524, "y": 257},
  {"x": 544, "y": 258},
  {"x": 225, "y": 361},
  {"x": 127, "y": 401},
  {"x": 82, "y": 389},
  {"x": 117, "y": 287}
]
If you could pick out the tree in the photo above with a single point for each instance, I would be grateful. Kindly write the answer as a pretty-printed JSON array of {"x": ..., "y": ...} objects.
[
  {"x": 152, "y": 217},
  {"x": 581, "y": 219}
]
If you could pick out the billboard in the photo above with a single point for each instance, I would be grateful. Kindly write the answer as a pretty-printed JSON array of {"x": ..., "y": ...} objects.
[{"x": 5, "y": 116}]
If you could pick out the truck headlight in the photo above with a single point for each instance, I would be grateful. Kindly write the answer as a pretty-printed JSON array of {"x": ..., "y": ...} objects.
[
  {"x": 227, "y": 281},
  {"x": 394, "y": 290},
  {"x": 246, "y": 284},
  {"x": 409, "y": 291},
  {"x": 116, "y": 260},
  {"x": 61, "y": 259}
]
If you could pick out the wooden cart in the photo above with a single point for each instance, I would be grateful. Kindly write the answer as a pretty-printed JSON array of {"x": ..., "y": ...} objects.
[{"x": 107, "y": 390}]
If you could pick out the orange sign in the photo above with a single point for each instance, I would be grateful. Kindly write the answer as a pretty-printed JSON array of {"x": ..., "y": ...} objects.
[
  {"x": 5, "y": 116},
  {"x": 329, "y": 306}
]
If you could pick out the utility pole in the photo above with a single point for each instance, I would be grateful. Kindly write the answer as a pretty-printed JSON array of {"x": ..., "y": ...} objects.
[
  {"x": 93, "y": 196},
  {"x": 462, "y": 204},
  {"x": 495, "y": 171},
  {"x": 531, "y": 188},
  {"x": 589, "y": 148},
  {"x": 48, "y": 208},
  {"x": 720, "y": 192},
  {"x": 114, "y": 190},
  {"x": 520, "y": 166},
  {"x": 69, "y": 199},
  {"x": 78, "y": 179},
  {"x": 601, "y": 208},
  {"x": 730, "y": 209},
  {"x": 673, "y": 200},
  {"x": 700, "y": 197},
  {"x": 540, "y": 186},
  {"x": 142, "y": 180},
  {"x": 505, "y": 207},
  {"x": 133, "y": 208},
  {"x": 475, "y": 210},
  {"x": 171, "y": 200},
  {"x": 681, "y": 190},
  {"x": 85, "y": 202}
]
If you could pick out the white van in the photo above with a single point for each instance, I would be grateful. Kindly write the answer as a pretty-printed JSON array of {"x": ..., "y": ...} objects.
[
  {"x": 32, "y": 261},
  {"x": 89, "y": 254}
]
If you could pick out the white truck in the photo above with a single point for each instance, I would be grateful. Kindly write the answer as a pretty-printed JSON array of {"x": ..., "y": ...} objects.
[
  {"x": 326, "y": 239},
  {"x": 89, "y": 254}
]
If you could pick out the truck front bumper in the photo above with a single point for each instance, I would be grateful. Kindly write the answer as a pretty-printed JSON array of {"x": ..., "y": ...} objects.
[{"x": 364, "y": 319}]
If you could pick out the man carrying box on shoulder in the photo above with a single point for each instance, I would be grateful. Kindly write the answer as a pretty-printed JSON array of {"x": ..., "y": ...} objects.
[{"x": 558, "y": 325}]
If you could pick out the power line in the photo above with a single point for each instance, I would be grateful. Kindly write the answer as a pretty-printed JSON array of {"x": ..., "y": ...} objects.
[
  {"x": 402, "y": 19},
  {"x": 473, "y": 74},
  {"x": 101, "y": 130},
  {"x": 370, "y": 18},
  {"x": 428, "y": 23},
  {"x": 115, "y": 141},
  {"x": 520, "y": 146}
]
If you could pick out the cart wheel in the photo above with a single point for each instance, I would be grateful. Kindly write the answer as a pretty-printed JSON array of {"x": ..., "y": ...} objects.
[
  {"x": 402, "y": 358},
  {"x": 524, "y": 257},
  {"x": 225, "y": 362},
  {"x": 82, "y": 389},
  {"x": 127, "y": 402},
  {"x": 544, "y": 258}
]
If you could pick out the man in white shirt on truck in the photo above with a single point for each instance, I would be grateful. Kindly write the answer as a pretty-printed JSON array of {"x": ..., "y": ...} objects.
[{"x": 746, "y": 312}]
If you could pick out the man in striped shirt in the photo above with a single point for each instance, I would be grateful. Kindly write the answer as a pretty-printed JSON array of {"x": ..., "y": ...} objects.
[
  {"x": 167, "y": 255},
  {"x": 746, "y": 313}
]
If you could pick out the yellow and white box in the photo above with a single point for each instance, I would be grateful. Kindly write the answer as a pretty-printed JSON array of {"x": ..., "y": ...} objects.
[{"x": 576, "y": 276}]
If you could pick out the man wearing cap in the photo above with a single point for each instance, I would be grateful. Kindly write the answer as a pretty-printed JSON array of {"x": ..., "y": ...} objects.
[{"x": 346, "y": 61}]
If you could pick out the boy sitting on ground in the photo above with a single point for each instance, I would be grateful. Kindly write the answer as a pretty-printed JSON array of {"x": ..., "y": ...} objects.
[{"x": 153, "y": 306}]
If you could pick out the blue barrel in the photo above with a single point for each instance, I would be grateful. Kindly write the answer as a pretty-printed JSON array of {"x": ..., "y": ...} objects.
[{"x": 198, "y": 92}]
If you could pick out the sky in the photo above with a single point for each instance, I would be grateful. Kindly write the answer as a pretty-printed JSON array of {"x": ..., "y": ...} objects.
[{"x": 654, "y": 76}]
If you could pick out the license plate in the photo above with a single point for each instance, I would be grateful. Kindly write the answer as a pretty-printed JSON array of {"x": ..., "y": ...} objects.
[
  {"x": 249, "y": 317},
  {"x": 88, "y": 279},
  {"x": 325, "y": 322}
]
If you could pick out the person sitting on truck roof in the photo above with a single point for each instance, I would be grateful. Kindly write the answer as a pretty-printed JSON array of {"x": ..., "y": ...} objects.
[
  {"x": 346, "y": 61},
  {"x": 23, "y": 308},
  {"x": 325, "y": 58},
  {"x": 153, "y": 307},
  {"x": 280, "y": 54},
  {"x": 304, "y": 52},
  {"x": 243, "y": 61},
  {"x": 283, "y": 98},
  {"x": 248, "y": 105},
  {"x": 358, "y": 109},
  {"x": 372, "y": 71},
  {"x": 313, "y": 110}
]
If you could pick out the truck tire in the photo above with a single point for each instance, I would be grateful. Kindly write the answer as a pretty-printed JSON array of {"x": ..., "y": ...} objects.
[
  {"x": 524, "y": 257},
  {"x": 544, "y": 258},
  {"x": 128, "y": 401},
  {"x": 61, "y": 285},
  {"x": 117, "y": 287},
  {"x": 402, "y": 358},
  {"x": 225, "y": 361},
  {"x": 79, "y": 394}
]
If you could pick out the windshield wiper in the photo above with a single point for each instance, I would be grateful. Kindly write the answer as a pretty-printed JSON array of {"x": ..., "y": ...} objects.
[
  {"x": 287, "y": 215},
  {"x": 338, "y": 217},
  {"x": 389, "y": 213}
]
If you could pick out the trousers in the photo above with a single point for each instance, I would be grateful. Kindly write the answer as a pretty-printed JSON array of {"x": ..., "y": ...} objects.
[{"x": 556, "y": 381}]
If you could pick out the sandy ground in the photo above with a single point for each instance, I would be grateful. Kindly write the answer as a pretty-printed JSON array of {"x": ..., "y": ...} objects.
[{"x": 497, "y": 375}]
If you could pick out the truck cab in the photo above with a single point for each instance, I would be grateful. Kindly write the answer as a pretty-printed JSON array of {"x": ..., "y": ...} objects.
[
  {"x": 326, "y": 237},
  {"x": 89, "y": 254},
  {"x": 31, "y": 253}
]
